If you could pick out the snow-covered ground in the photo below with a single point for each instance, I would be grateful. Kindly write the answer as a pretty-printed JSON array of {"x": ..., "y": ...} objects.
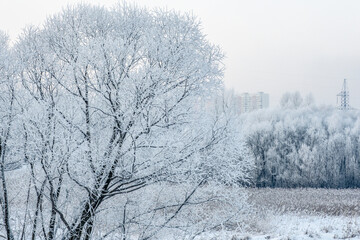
[
  {"x": 276, "y": 214},
  {"x": 295, "y": 227},
  {"x": 297, "y": 214}
]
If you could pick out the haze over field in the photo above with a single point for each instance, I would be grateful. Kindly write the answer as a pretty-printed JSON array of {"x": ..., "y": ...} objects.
[{"x": 271, "y": 46}]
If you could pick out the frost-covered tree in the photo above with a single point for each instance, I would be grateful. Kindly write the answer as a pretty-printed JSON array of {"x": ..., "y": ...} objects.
[
  {"x": 7, "y": 118},
  {"x": 291, "y": 100},
  {"x": 115, "y": 137}
]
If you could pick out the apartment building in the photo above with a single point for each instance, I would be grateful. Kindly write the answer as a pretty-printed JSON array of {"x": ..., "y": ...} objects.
[{"x": 252, "y": 101}]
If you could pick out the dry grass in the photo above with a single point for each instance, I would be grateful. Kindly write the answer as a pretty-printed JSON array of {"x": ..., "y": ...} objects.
[{"x": 333, "y": 202}]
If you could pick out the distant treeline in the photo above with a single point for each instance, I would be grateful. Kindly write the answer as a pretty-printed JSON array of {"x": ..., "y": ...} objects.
[{"x": 304, "y": 146}]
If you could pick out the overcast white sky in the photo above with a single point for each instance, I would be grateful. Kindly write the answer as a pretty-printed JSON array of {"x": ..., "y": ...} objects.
[{"x": 273, "y": 46}]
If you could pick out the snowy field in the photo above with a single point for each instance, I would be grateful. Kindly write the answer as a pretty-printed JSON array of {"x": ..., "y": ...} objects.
[
  {"x": 296, "y": 214},
  {"x": 296, "y": 227},
  {"x": 278, "y": 214}
]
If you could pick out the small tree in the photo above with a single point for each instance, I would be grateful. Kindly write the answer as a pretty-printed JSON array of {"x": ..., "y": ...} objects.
[{"x": 7, "y": 112}]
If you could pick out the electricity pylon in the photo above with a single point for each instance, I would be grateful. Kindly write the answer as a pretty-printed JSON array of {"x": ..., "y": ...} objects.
[{"x": 344, "y": 97}]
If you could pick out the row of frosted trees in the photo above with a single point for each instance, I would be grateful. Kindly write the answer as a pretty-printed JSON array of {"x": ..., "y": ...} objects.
[{"x": 305, "y": 146}]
